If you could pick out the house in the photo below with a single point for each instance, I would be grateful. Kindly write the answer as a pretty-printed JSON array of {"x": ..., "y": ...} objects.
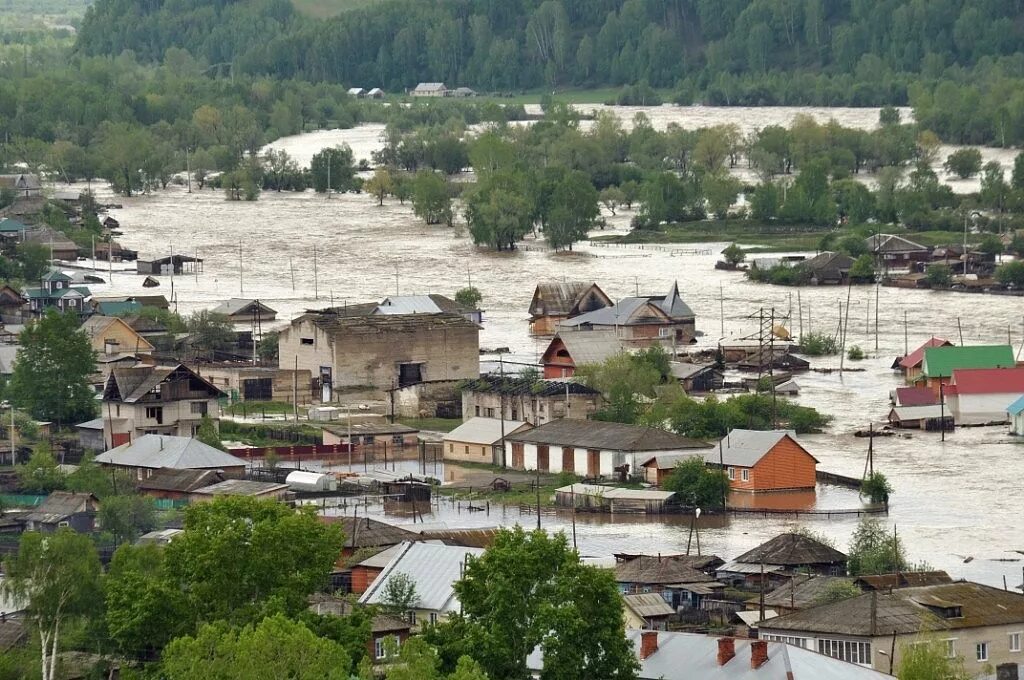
[
  {"x": 90, "y": 435},
  {"x": 680, "y": 580},
  {"x": 979, "y": 396},
  {"x": 12, "y": 305},
  {"x": 913, "y": 396},
  {"x": 177, "y": 483},
  {"x": 239, "y": 310},
  {"x": 939, "y": 362},
  {"x": 801, "y": 591},
  {"x": 759, "y": 461},
  {"x": 980, "y": 624},
  {"x": 245, "y": 382},
  {"x": 114, "y": 251},
  {"x": 433, "y": 569},
  {"x": 357, "y": 92},
  {"x": 384, "y": 629},
  {"x": 570, "y": 349},
  {"x": 902, "y": 579},
  {"x": 479, "y": 440},
  {"x": 896, "y": 252},
  {"x": 112, "y": 335},
  {"x": 780, "y": 557},
  {"x": 697, "y": 377},
  {"x": 593, "y": 448},
  {"x": 380, "y": 351},
  {"x": 429, "y": 90},
  {"x": 378, "y": 433},
  {"x": 427, "y": 304},
  {"x": 23, "y": 184},
  {"x": 241, "y": 487},
  {"x": 59, "y": 245},
  {"x": 646, "y": 611},
  {"x": 691, "y": 656},
  {"x": 170, "y": 265},
  {"x": 1015, "y": 412},
  {"x": 554, "y": 302},
  {"x": 55, "y": 290},
  {"x": 789, "y": 388},
  {"x": 910, "y": 365},
  {"x": 658, "y": 468},
  {"x": 463, "y": 92},
  {"x": 168, "y": 400},
  {"x": 642, "y": 321},
  {"x": 12, "y": 230},
  {"x": 108, "y": 304},
  {"x": 534, "y": 401},
  {"x": 364, "y": 573},
  {"x": 363, "y": 533},
  {"x": 151, "y": 452},
  {"x": 63, "y": 509},
  {"x": 928, "y": 417},
  {"x": 829, "y": 268},
  {"x": 375, "y": 93}
]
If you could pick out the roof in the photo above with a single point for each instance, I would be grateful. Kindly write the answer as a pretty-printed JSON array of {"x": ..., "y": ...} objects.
[
  {"x": 94, "y": 424},
  {"x": 737, "y": 567},
  {"x": 802, "y": 591},
  {"x": 987, "y": 381},
  {"x": 685, "y": 371},
  {"x": 940, "y": 362},
  {"x": 129, "y": 385},
  {"x": 55, "y": 275},
  {"x": 890, "y": 243},
  {"x": 906, "y": 413},
  {"x": 915, "y": 358},
  {"x": 659, "y": 570},
  {"x": 241, "y": 487},
  {"x": 430, "y": 87},
  {"x": 829, "y": 264},
  {"x": 902, "y": 580},
  {"x": 433, "y": 568},
  {"x": 8, "y": 225},
  {"x": 646, "y": 605},
  {"x": 181, "y": 480},
  {"x": 915, "y": 396},
  {"x": 908, "y": 611},
  {"x": 513, "y": 385},
  {"x": 485, "y": 431},
  {"x": 668, "y": 461},
  {"x": 587, "y": 347},
  {"x": 363, "y": 532},
  {"x": 684, "y": 656},
  {"x": 239, "y": 305},
  {"x": 752, "y": 618},
  {"x": 383, "y": 558},
  {"x": 334, "y": 322},
  {"x": 625, "y": 312},
  {"x": 369, "y": 428},
  {"x": 744, "y": 448},
  {"x": 560, "y": 298},
  {"x": 165, "y": 451},
  {"x": 117, "y": 308},
  {"x": 1016, "y": 407},
  {"x": 793, "y": 550},
  {"x": 97, "y": 324},
  {"x": 420, "y": 304},
  {"x": 60, "y": 505},
  {"x": 594, "y": 434},
  {"x": 8, "y": 355},
  {"x": 616, "y": 493}
]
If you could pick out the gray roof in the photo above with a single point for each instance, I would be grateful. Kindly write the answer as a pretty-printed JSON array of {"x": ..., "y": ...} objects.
[
  {"x": 383, "y": 558},
  {"x": 241, "y": 487},
  {"x": 374, "y": 427},
  {"x": 646, "y": 605},
  {"x": 165, "y": 451},
  {"x": 485, "y": 431},
  {"x": 829, "y": 264},
  {"x": 793, "y": 550},
  {"x": 236, "y": 305},
  {"x": 802, "y": 592},
  {"x": 430, "y": 87},
  {"x": 182, "y": 481},
  {"x": 94, "y": 424},
  {"x": 667, "y": 461},
  {"x": 363, "y": 532},
  {"x": 903, "y": 413},
  {"x": 889, "y": 243},
  {"x": 420, "y": 304},
  {"x": 560, "y": 298},
  {"x": 622, "y": 313},
  {"x": 616, "y": 493},
  {"x": 132, "y": 384},
  {"x": 685, "y": 656},
  {"x": 8, "y": 353},
  {"x": 753, "y": 617},
  {"x": 594, "y": 434},
  {"x": 684, "y": 371},
  {"x": 744, "y": 448},
  {"x": 60, "y": 505},
  {"x": 658, "y": 570},
  {"x": 433, "y": 568},
  {"x": 590, "y": 347}
]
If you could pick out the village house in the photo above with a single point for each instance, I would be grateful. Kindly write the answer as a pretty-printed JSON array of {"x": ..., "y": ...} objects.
[
  {"x": 912, "y": 396},
  {"x": 356, "y": 92},
  {"x": 433, "y": 569},
  {"x": 55, "y": 290},
  {"x": 12, "y": 231},
  {"x": 570, "y": 349},
  {"x": 780, "y": 558},
  {"x": 239, "y": 310},
  {"x": 801, "y": 591},
  {"x": 380, "y": 351},
  {"x": 910, "y": 365},
  {"x": 59, "y": 245},
  {"x": 593, "y": 448},
  {"x": 122, "y": 305},
  {"x": 427, "y": 304},
  {"x": 429, "y": 90},
  {"x": 555, "y": 301},
  {"x": 168, "y": 400},
  {"x": 928, "y": 417},
  {"x": 642, "y": 321},
  {"x": 110, "y": 335},
  {"x": 657, "y": 469},
  {"x": 177, "y": 483},
  {"x": 63, "y": 509},
  {"x": 646, "y": 611},
  {"x": 980, "y": 624},
  {"x": 829, "y": 269},
  {"x": 384, "y": 629},
  {"x": 534, "y": 401},
  {"x": 375, "y": 433},
  {"x": 980, "y": 396},
  {"x": 1015, "y": 412},
  {"x": 682, "y": 581},
  {"x": 478, "y": 440},
  {"x": 150, "y": 453},
  {"x": 170, "y": 265},
  {"x": 24, "y": 185},
  {"x": 759, "y": 461},
  {"x": 265, "y": 491},
  {"x": 697, "y": 378},
  {"x": 12, "y": 305},
  {"x": 245, "y": 382},
  {"x": 666, "y": 655},
  {"x": 896, "y": 252},
  {"x": 940, "y": 362},
  {"x": 363, "y": 533}
]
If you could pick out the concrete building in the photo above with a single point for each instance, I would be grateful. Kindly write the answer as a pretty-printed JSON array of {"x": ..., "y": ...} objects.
[
  {"x": 534, "y": 401},
  {"x": 478, "y": 440},
  {"x": 380, "y": 351},
  {"x": 245, "y": 382}
]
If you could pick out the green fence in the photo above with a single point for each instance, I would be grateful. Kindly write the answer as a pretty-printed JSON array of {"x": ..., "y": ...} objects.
[
  {"x": 170, "y": 503},
  {"x": 24, "y": 500}
]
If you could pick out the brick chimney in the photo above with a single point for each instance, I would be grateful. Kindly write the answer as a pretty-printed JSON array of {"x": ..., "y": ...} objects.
[
  {"x": 758, "y": 653},
  {"x": 648, "y": 643},
  {"x": 726, "y": 650}
]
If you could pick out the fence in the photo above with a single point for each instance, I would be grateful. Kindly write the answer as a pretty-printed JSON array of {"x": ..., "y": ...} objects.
[{"x": 23, "y": 500}]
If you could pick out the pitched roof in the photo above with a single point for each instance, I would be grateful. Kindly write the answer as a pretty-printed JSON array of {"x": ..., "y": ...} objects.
[
  {"x": 829, "y": 264},
  {"x": 940, "y": 362},
  {"x": 514, "y": 385},
  {"x": 430, "y": 87},
  {"x": 561, "y": 298},
  {"x": 586, "y": 347},
  {"x": 902, "y": 580},
  {"x": 646, "y": 605},
  {"x": 630, "y": 311},
  {"x": 668, "y": 461},
  {"x": 915, "y": 358},
  {"x": 903, "y": 413},
  {"x": 890, "y": 243},
  {"x": 238, "y": 305},
  {"x": 8, "y": 225},
  {"x": 420, "y": 304},
  {"x": 129, "y": 385},
  {"x": 646, "y": 569},
  {"x": 433, "y": 568},
  {"x": 241, "y": 487},
  {"x": 987, "y": 381},
  {"x": 486, "y": 431},
  {"x": 60, "y": 505},
  {"x": 684, "y": 371},
  {"x": 672, "y": 304},
  {"x": 908, "y": 611},
  {"x": 97, "y": 324},
  {"x": 1016, "y": 407},
  {"x": 363, "y": 532},
  {"x": 594, "y": 434},
  {"x": 792, "y": 550},
  {"x": 165, "y": 451},
  {"x": 802, "y": 591},
  {"x": 915, "y": 396},
  {"x": 181, "y": 480},
  {"x": 744, "y": 448}
]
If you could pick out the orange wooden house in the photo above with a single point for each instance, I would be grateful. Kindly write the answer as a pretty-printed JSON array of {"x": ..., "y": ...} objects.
[{"x": 758, "y": 461}]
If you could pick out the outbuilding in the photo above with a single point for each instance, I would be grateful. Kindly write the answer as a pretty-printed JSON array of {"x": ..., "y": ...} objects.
[
  {"x": 478, "y": 440},
  {"x": 310, "y": 482}
]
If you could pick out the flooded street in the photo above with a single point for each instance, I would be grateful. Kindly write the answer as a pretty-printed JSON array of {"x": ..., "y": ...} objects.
[{"x": 954, "y": 498}]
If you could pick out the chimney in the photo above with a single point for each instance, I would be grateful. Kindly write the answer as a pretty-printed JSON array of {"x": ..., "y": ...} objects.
[
  {"x": 648, "y": 643},
  {"x": 726, "y": 650},
  {"x": 758, "y": 653}
]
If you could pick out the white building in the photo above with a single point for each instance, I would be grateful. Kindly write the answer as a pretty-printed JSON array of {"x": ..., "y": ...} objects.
[{"x": 978, "y": 396}]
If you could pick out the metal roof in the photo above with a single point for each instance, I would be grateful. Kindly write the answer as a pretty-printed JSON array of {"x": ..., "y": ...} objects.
[
  {"x": 433, "y": 568},
  {"x": 667, "y": 461},
  {"x": 987, "y": 381},
  {"x": 430, "y": 87},
  {"x": 420, "y": 304},
  {"x": 236, "y": 305},
  {"x": 486, "y": 431},
  {"x": 940, "y": 362},
  {"x": 890, "y": 243},
  {"x": 793, "y": 550},
  {"x": 514, "y": 385},
  {"x": 737, "y": 567},
  {"x": 744, "y": 448},
  {"x": 381, "y": 559},
  {"x": 802, "y": 591},
  {"x": 60, "y": 505},
  {"x": 588, "y": 347},
  {"x": 241, "y": 487},
  {"x": 915, "y": 396},
  {"x": 94, "y": 424},
  {"x": 625, "y": 312},
  {"x": 1016, "y": 407},
  {"x": 917, "y": 356},
  {"x": 595, "y": 434},
  {"x": 616, "y": 493},
  {"x": 918, "y": 412},
  {"x": 364, "y": 427},
  {"x": 684, "y": 371},
  {"x": 165, "y": 451},
  {"x": 753, "y": 617},
  {"x": 647, "y": 605}
]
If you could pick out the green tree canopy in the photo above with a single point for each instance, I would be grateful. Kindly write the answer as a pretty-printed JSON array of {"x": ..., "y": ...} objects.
[
  {"x": 431, "y": 201},
  {"x": 963, "y": 163},
  {"x": 333, "y": 169},
  {"x": 698, "y": 485},
  {"x": 873, "y": 550},
  {"x": 927, "y": 659}
]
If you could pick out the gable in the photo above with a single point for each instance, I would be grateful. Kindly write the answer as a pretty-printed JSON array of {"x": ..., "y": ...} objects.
[
  {"x": 648, "y": 313},
  {"x": 591, "y": 299},
  {"x": 787, "y": 446}
]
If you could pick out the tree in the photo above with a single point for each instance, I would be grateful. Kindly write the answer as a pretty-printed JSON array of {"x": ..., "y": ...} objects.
[
  {"x": 59, "y": 576},
  {"x": 764, "y": 205},
  {"x": 876, "y": 487},
  {"x": 721, "y": 191},
  {"x": 124, "y": 149},
  {"x": 1008, "y": 274},
  {"x": 35, "y": 260},
  {"x": 498, "y": 209},
  {"x": 380, "y": 185},
  {"x": 575, "y": 208},
  {"x": 929, "y": 660},
  {"x": 469, "y": 297},
  {"x": 333, "y": 169},
  {"x": 41, "y": 473},
  {"x": 863, "y": 269},
  {"x": 991, "y": 245},
  {"x": 431, "y": 201},
  {"x": 127, "y": 516},
  {"x": 611, "y": 198},
  {"x": 52, "y": 373},
  {"x": 210, "y": 331},
  {"x": 873, "y": 550},
  {"x": 963, "y": 163},
  {"x": 208, "y": 434},
  {"x": 145, "y": 609},
  {"x": 995, "y": 192},
  {"x": 626, "y": 381},
  {"x": 837, "y": 591},
  {"x": 734, "y": 254},
  {"x": 267, "y": 347},
  {"x": 399, "y": 595},
  {"x": 938, "y": 275},
  {"x": 698, "y": 485},
  {"x": 529, "y": 590},
  {"x": 417, "y": 660},
  {"x": 276, "y": 647}
]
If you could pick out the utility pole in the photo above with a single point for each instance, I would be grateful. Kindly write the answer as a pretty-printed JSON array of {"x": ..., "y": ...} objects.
[
  {"x": 241, "y": 283},
  {"x": 188, "y": 170},
  {"x": 316, "y": 290},
  {"x": 501, "y": 407}
]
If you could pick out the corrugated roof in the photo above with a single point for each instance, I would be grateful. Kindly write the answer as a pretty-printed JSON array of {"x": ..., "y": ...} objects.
[
  {"x": 890, "y": 243},
  {"x": 588, "y": 347},
  {"x": 737, "y": 567},
  {"x": 906, "y": 413},
  {"x": 94, "y": 424},
  {"x": 165, "y": 451},
  {"x": 420, "y": 304},
  {"x": 560, "y": 298},
  {"x": 917, "y": 356},
  {"x": 940, "y": 362},
  {"x": 915, "y": 396},
  {"x": 433, "y": 569},
  {"x": 626, "y": 312},
  {"x": 13, "y": 633},
  {"x": 619, "y": 493},
  {"x": 802, "y": 591},
  {"x": 486, "y": 431},
  {"x": 59, "y": 505},
  {"x": 513, "y": 385},
  {"x": 668, "y": 461},
  {"x": 793, "y": 550},
  {"x": 654, "y": 570},
  {"x": 383, "y": 558},
  {"x": 646, "y": 605},
  {"x": 744, "y": 448},
  {"x": 236, "y": 305},
  {"x": 334, "y": 322},
  {"x": 903, "y": 579},
  {"x": 363, "y": 532},
  {"x": 594, "y": 434},
  {"x": 1016, "y": 407},
  {"x": 241, "y": 487},
  {"x": 987, "y": 381},
  {"x": 184, "y": 481}
]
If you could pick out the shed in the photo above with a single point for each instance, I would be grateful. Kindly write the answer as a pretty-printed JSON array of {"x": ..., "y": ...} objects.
[
  {"x": 658, "y": 468},
  {"x": 430, "y": 90},
  {"x": 375, "y": 93},
  {"x": 165, "y": 266},
  {"x": 480, "y": 439},
  {"x": 63, "y": 509},
  {"x": 310, "y": 482},
  {"x": 647, "y": 611},
  {"x": 242, "y": 487},
  {"x": 614, "y": 499},
  {"x": 356, "y": 92},
  {"x": 569, "y": 349},
  {"x": 697, "y": 377},
  {"x": 920, "y": 417},
  {"x": 90, "y": 434},
  {"x": 176, "y": 484}
]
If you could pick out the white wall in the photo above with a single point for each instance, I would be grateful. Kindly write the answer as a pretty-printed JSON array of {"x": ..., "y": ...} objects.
[
  {"x": 977, "y": 409},
  {"x": 609, "y": 459}
]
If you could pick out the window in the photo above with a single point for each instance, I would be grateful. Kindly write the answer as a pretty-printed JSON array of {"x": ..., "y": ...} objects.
[
  {"x": 398, "y": 440},
  {"x": 412, "y": 618},
  {"x": 1014, "y": 642},
  {"x": 951, "y": 648},
  {"x": 138, "y": 473},
  {"x": 451, "y": 447},
  {"x": 155, "y": 413},
  {"x": 515, "y": 414},
  {"x": 118, "y": 410},
  {"x": 63, "y": 524},
  {"x": 368, "y": 439},
  {"x": 199, "y": 408},
  {"x": 981, "y": 651},
  {"x": 732, "y": 473},
  {"x": 306, "y": 341},
  {"x": 664, "y": 332},
  {"x": 378, "y": 648},
  {"x": 490, "y": 413},
  {"x": 789, "y": 640},
  {"x": 433, "y": 618},
  {"x": 477, "y": 410},
  {"x": 745, "y": 475},
  {"x": 466, "y": 450},
  {"x": 846, "y": 650}
]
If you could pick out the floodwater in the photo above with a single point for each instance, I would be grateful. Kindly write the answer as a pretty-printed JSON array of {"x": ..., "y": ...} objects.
[{"x": 952, "y": 500}]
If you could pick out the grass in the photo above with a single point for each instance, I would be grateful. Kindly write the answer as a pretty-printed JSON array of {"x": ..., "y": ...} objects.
[{"x": 435, "y": 424}]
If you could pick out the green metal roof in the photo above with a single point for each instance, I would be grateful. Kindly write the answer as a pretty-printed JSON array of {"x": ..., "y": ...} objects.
[
  {"x": 118, "y": 308},
  {"x": 7, "y": 225},
  {"x": 56, "y": 275},
  {"x": 940, "y": 362}
]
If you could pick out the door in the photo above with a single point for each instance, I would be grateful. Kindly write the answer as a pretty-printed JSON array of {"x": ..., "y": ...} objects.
[
  {"x": 258, "y": 389},
  {"x": 326, "y": 385},
  {"x": 518, "y": 459},
  {"x": 593, "y": 463},
  {"x": 543, "y": 464},
  {"x": 410, "y": 374},
  {"x": 568, "y": 459}
]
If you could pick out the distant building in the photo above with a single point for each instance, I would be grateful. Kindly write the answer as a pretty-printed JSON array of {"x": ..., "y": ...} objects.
[
  {"x": 770, "y": 460},
  {"x": 554, "y": 302},
  {"x": 829, "y": 268},
  {"x": 642, "y": 321},
  {"x": 463, "y": 92},
  {"x": 775, "y": 561},
  {"x": 571, "y": 349},
  {"x": 939, "y": 362},
  {"x": 800, "y": 592},
  {"x": 55, "y": 290},
  {"x": 172, "y": 264},
  {"x": 375, "y": 93},
  {"x": 90, "y": 435},
  {"x": 896, "y": 252},
  {"x": 239, "y": 310},
  {"x": 429, "y": 90},
  {"x": 23, "y": 184},
  {"x": 241, "y": 487},
  {"x": 150, "y": 453},
  {"x": 680, "y": 580},
  {"x": 910, "y": 365},
  {"x": 980, "y": 396},
  {"x": 357, "y": 92},
  {"x": 478, "y": 440},
  {"x": 534, "y": 401},
  {"x": 76, "y": 511},
  {"x": 59, "y": 245},
  {"x": 697, "y": 377}
]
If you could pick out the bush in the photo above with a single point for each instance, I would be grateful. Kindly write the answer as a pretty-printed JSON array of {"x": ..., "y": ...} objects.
[
  {"x": 855, "y": 353},
  {"x": 938, "y": 275},
  {"x": 876, "y": 487},
  {"x": 1011, "y": 274},
  {"x": 698, "y": 485},
  {"x": 818, "y": 344}
]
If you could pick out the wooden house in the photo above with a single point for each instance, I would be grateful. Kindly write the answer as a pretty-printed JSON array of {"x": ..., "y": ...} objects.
[
  {"x": 646, "y": 611},
  {"x": 12, "y": 305},
  {"x": 172, "y": 264},
  {"x": 829, "y": 268},
  {"x": 239, "y": 310},
  {"x": 61, "y": 247},
  {"x": 429, "y": 90},
  {"x": 980, "y": 396},
  {"x": 679, "y": 579},
  {"x": 356, "y": 92},
  {"x": 554, "y": 302},
  {"x": 697, "y": 377},
  {"x": 112, "y": 335},
  {"x": 910, "y": 365},
  {"x": 177, "y": 483},
  {"x": 896, "y": 252},
  {"x": 150, "y": 453},
  {"x": 570, "y": 349},
  {"x": 927, "y": 417},
  {"x": 642, "y": 321},
  {"x": 479, "y": 440},
  {"x": 939, "y": 362},
  {"x": 758, "y": 461},
  {"x": 76, "y": 511},
  {"x": 25, "y": 185},
  {"x": 55, "y": 291},
  {"x": 780, "y": 558}
]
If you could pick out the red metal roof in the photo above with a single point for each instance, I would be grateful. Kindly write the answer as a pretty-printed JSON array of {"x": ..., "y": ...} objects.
[
  {"x": 915, "y": 358},
  {"x": 987, "y": 381},
  {"x": 915, "y": 396}
]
